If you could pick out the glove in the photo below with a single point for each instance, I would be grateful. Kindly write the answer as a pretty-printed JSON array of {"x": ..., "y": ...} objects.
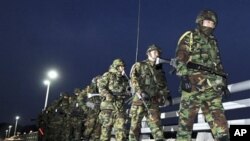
[
  {"x": 145, "y": 96},
  {"x": 142, "y": 96},
  {"x": 222, "y": 89}
]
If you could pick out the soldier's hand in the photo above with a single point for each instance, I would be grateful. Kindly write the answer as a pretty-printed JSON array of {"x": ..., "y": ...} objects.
[
  {"x": 170, "y": 100},
  {"x": 109, "y": 97},
  {"x": 145, "y": 96},
  {"x": 225, "y": 92}
]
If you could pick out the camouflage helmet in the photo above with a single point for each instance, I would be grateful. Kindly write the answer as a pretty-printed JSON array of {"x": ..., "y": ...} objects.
[
  {"x": 153, "y": 47},
  {"x": 117, "y": 63},
  {"x": 64, "y": 94},
  {"x": 77, "y": 90},
  {"x": 206, "y": 15},
  {"x": 94, "y": 80}
]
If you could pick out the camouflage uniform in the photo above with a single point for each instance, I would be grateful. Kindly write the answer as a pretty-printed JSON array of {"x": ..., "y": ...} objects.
[
  {"x": 148, "y": 80},
  {"x": 82, "y": 99},
  {"x": 112, "y": 87},
  {"x": 55, "y": 121},
  {"x": 75, "y": 119},
  {"x": 42, "y": 126},
  {"x": 200, "y": 89},
  {"x": 92, "y": 123},
  {"x": 64, "y": 111}
]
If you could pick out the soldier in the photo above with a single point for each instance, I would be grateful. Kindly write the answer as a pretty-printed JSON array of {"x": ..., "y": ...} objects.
[
  {"x": 64, "y": 111},
  {"x": 42, "y": 123},
  {"x": 56, "y": 119},
  {"x": 150, "y": 87},
  {"x": 112, "y": 87},
  {"x": 76, "y": 116},
  {"x": 92, "y": 124},
  {"x": 201, "y": 89}
]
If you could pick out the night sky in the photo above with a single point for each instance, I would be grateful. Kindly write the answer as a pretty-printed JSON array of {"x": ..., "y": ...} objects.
[{"x": 80, "y": 38}]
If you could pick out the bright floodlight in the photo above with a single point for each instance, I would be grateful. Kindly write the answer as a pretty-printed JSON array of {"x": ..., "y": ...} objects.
[
  {"x": 17, "y": 117},
  {"x": 52, "y": 74},
  {"x": 46, "y": 82}
]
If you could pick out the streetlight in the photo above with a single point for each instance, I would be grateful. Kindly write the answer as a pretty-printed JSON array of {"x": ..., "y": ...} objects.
[
  {"x": 10, "y": 126},
  {"x": 6, "y": 135},
  {"x": 17, "y": 118},
  {"x": 46, "y": 82},
  {"x": 52, "y": 74}
]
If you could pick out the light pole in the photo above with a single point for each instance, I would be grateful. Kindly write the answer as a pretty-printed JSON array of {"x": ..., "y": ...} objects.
[
  {"x": 9, "y": 130},
  {"x": 52, "y": 74},
  {"x": 17, "y": 118},
  {"x": 46, "y": 82},
  {"x": 6, "y": 135}
]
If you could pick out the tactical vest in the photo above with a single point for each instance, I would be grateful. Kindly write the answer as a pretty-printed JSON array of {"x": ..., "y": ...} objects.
[
  {"x": 201, "y": 50},
  {"x": 149, "y": 78}
]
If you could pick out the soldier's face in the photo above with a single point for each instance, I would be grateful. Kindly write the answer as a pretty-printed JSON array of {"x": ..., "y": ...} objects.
[
  {"x": 152, "y": 55},
  {"x": 121, "y": 69},
  {"x": 208, "y": 23}
]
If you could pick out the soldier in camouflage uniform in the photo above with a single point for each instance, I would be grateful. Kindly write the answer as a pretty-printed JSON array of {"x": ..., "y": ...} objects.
[
  {"x": 92, "y": 124},
  {"x": 42, "y": 125},
  {"x": 150, "y": 86},
  {"x": 64, "y": 111},
  {"x": 75, "y": 118},
  {"x": 201, "y": 89},
  {"x": 82, "y": 99},
  {"x": 56, "y": 119},
  {"x": 112, "y": 87}
]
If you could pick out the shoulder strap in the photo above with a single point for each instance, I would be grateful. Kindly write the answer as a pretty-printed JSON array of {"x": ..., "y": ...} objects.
[
  {"x": 151, "y": 70},
  {"x": 190, "y": 39}
]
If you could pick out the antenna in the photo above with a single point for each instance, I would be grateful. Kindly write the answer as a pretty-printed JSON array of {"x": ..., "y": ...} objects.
[{"x": 138, "y": 30}]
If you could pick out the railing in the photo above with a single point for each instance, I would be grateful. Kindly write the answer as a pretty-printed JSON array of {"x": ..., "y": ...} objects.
[
  {"x": 31, "y": 136},
  {"x": 200, "y": 126}
]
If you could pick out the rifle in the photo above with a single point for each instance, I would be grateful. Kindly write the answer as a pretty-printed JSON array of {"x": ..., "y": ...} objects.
[
  {"x": 144, "y": 103},
  {"x": 192, "y": 65},
  {"x": 114, "y": 94}
]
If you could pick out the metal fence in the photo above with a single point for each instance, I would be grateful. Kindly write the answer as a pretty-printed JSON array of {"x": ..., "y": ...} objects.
[{"x": 200, "y": 126}]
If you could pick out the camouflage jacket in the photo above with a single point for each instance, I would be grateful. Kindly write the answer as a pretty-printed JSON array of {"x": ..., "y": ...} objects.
[
  {"x": 96, "y": 100},
  {"x": 82, "y": 99},
  {"x": 195, "y": 47},
  {"x": 74, "y": 107},
  {"x": 115, "y": 84},
  {"x": 149, "y": 79},
  {"x": 112, "y": 83}
]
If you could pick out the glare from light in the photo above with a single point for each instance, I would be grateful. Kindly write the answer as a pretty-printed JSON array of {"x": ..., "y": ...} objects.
[
  {"x": 46, "y": 82},
  {"x": 17, "y": 117},
  {"x": 52, "y": 74}
]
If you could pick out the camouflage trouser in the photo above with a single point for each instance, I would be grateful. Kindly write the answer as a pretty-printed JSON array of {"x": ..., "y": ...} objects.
[
  {"x": 110, "y": 119},
  {"x": 54, "y": 133},
  {"x": 66, "y": 129},
  {"x": 75, "y": 128},
  {"x": 211, "y": 105},
  {"x": 92, "y": 127},
  {"x": 153, "y": 121}
]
